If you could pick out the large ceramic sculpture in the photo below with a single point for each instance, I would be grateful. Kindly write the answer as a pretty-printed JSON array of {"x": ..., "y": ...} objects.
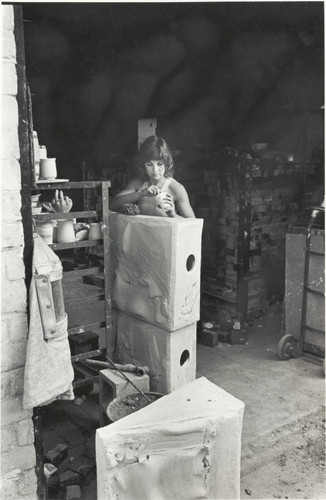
[
  {"x": 185, "y": 445},
  {"x": 171, "y": 356},
  {"x": 156, "y": 268},
  {"x": 156, "y": 292}
]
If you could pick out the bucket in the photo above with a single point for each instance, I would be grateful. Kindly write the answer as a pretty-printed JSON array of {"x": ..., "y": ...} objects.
[{"x": 126, "y": 405}]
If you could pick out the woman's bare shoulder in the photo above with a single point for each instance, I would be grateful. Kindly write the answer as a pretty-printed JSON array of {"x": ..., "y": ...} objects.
[
  {"x": 176, "y": 187},
  {"x": 135, "y": 183}
]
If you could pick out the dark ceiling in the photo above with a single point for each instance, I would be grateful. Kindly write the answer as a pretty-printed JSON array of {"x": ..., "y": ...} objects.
[{"x": 212, "y": 73}]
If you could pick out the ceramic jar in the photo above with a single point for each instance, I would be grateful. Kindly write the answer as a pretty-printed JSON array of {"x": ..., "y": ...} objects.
[
  {"x": 48, "y": 168},
  {"x": 36, "y": 150},
  {"x": 65, "y": 231},
  {"x": 43, "y": 152},
  {"x": 45, "y": 230},
  {"x": 95, "y": 231}
]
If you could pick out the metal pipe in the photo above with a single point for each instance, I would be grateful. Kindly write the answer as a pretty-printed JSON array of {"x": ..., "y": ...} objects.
[
  {"x": 139, "y": 370},
  {"x": 128, "y": 379}
]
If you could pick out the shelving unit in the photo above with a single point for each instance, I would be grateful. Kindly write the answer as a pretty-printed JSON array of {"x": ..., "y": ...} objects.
[{"x": 80, "y": 297}]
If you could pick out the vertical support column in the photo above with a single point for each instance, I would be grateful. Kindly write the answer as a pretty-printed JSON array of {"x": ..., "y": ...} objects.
[
  {"x": 109, "y": 340},
  {"x": 243, "y": 264}
]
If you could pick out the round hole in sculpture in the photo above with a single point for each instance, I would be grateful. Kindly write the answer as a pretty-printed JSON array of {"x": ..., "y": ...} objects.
[
  {"x": 190, "y": 262},
  {"x": 184, "y": 357}
]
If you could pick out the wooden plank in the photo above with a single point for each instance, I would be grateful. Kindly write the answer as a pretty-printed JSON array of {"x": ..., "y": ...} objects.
[
  {"x": 81, "y": 272},
  {"x": 75, "y": 244},
  {"x": 70, "y": 185},
  {"x": 25, "y": 133},
  {"x": 110, "y": 341},
  {"x": 96, "y": 280},
  {"x": 84, "y": 328},
  {"x": 85, "y": 382},
  {"x": 71, "y": 215},
  {"x": 98, "y": 296}
]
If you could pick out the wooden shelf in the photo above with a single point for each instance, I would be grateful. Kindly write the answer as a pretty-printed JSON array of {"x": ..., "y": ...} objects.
[
  {"x": 76, "y": 244},
  {"x": 70, "y": 185},
  {"x": 88, "y": 271},
  {"x": 84, "y": 328},
  {"x": 42, "y": 217}
]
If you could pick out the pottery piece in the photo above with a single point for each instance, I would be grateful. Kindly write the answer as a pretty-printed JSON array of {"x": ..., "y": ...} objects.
[
  {"x": 184, "y": 445},
  {"x": 36, "y": 150},
  {"x": 42, "y": 152},
  {"x": 48, "y": 168},
  {"x": 45, "y": 230},
  {"x": 95, "y": 231},
  {"x": 156, "y": 268},
  {"x": 65, "y": 231},
  {"x": 36, "y": 210},
  {"x": 35, "y": 197}
]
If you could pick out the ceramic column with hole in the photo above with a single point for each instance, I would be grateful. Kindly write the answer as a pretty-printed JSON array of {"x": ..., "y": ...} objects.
[{"x": 156, "y": 290}]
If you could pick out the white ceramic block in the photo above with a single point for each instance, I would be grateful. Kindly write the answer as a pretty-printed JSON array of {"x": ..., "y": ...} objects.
[
  {"x": 170, "y": 356},
  {"x": 185, "y": 445},
  {"x": 156, "y": 268}
]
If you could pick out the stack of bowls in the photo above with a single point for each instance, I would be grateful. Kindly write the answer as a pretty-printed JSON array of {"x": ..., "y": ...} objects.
[{"x": 36, "y": 206}]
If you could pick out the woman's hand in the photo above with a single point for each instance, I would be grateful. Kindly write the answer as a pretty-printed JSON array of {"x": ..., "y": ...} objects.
[{"x": 151, "y": 191}]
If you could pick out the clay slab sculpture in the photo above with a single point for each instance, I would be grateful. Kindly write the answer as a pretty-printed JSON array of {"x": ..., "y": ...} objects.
[
  {"x": 186, "y": 445},
  {"x": 170, "y": 356},
  {"x": 156, "y": 268}
]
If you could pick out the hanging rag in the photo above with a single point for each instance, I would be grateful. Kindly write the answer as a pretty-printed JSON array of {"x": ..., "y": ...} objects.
[{"x": 48, "y": 369}]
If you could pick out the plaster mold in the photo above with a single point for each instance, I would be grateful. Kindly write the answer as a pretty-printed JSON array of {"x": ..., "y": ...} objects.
[
  {"x": 156, "y": 266},
  {"x": 170, "y": 356},
  {"x": 186, "y": 445}
]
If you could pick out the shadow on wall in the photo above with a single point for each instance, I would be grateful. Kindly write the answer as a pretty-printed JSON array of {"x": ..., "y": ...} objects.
[{"x": 212, "y": 74}]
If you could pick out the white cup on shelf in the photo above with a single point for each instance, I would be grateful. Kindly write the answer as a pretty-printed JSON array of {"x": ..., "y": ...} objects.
[
  {"x": 48, "y": 168},
  {"x": 65, "y": 232},
  {"x": 95, "y": 231}
]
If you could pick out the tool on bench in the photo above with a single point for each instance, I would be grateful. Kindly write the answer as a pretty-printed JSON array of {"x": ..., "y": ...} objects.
[
  {"x": 139, "y": 370},
  {"x": 116, "y": 367}
]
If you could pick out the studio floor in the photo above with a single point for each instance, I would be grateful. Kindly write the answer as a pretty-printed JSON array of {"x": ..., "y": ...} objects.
[{"x": 283, "y": 439}]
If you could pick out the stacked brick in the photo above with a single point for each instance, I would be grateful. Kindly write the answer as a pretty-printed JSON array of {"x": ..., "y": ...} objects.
[
  {"x": 248, "y": 205},
  {"x": 18, "y": 479}
]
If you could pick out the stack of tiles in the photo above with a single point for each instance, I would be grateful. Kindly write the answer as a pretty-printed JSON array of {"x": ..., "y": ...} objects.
[{"x": 156, "y": 290}]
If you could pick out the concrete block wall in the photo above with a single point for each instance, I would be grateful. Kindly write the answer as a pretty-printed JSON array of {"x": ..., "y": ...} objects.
[{"x": 18, "y": 478}]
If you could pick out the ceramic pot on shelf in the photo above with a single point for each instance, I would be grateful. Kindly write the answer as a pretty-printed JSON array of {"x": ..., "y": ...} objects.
[
  {"x": 36, "y": 150},
  {"x": 95, "y": 231},
  {"x": 42, "y": 152},
  {"x": 45, "y": 230},
  {"x": 65, "y": 232},
  {"x": 48, "y": 168}
]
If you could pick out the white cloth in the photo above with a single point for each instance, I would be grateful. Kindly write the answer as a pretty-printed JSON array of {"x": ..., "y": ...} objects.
[{"x": 48, "y": 369}]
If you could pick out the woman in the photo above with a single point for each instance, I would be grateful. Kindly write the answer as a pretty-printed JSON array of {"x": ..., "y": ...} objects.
[{"x": 155, "y": 165}]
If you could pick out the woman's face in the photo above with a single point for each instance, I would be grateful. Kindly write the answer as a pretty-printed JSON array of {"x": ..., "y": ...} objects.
[{"x": 155, "y": 170}]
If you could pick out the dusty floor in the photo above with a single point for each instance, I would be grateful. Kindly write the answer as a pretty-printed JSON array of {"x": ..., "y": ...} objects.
[{"x": 283, "y": 441}]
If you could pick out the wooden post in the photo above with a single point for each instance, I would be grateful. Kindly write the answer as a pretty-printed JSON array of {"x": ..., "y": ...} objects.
[{"x": 109, "y": 340}]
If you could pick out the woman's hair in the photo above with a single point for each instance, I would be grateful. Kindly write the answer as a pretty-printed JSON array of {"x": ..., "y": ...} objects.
[{"x": 155, "y": 148}]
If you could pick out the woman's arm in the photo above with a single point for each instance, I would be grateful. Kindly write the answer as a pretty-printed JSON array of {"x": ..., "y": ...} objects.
[
  {"x": 181, "y": 201},
  {"x": 131, "y": 194}
]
